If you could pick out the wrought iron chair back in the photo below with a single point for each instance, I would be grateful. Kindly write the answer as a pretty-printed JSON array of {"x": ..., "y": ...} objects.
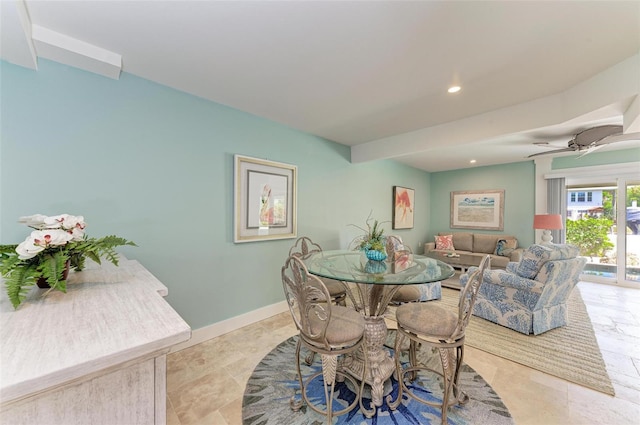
[
  {"x": 304, "y": 247},
  {"x": 468, "y": 296},
  {"x": 310, "y": 305},
  {"x": 309, "y": 301}
]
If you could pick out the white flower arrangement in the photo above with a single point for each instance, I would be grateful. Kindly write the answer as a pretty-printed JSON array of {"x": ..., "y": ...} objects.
[
  {"x": 51, "y": 232},
  {"x": 57, "y": 243}
]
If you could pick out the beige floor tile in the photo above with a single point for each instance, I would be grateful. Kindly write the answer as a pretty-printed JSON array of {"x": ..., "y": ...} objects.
[
  {"x": 242, "y": 369},
  {"x": 214, "y": 418},
  {"x": 202, "y": 397},
  {"x": 584, "y": 402},
  {"x": 232, "y": 412},
  {"x": 172, "y": 417}
]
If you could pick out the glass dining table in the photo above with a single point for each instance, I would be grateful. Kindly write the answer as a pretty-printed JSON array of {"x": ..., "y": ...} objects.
[{"x": 370, "y": 286}]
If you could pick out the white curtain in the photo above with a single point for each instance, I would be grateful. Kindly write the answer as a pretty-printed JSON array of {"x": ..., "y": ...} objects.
[{"x": 557, "y": 204}]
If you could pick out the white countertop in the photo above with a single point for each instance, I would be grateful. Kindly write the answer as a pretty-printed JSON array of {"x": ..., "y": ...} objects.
[{"x": 108, "y": 316}]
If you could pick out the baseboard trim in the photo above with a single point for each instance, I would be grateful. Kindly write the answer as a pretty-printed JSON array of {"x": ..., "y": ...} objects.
[{"x": 220, "y": 328}]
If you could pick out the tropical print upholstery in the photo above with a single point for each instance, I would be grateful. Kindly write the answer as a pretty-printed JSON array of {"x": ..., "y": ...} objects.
[
  {"x": 530, "y": 296},
  {"x": 430, "y": 291}
]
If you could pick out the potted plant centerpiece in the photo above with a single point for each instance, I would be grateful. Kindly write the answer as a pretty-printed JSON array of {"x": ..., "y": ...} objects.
[
  {"x": 57, "y": 243},
  {"x": 373, "y": 242}
]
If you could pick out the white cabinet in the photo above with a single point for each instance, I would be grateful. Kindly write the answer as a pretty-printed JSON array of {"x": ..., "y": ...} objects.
[{"x": 95, "y": 355}]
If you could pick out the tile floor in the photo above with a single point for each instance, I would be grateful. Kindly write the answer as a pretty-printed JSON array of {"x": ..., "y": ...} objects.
[{"x": 206, "y": 382}]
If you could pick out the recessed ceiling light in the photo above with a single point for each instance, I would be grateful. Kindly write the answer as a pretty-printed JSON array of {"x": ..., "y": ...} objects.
[
  {"x": 454, "y": 89},
  {"x": 473, "y": 161}
]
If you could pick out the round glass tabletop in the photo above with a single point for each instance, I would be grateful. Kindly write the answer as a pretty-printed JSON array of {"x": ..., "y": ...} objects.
[{"x": 353, "y": 266}]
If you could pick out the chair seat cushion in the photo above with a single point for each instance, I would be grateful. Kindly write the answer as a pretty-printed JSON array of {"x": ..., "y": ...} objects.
[
  {"x": 345, "y": 327},
  {"x": 407, "y": 293},
  {"x": 426, "y": 319},
  {"x": 334, "y": 287}
]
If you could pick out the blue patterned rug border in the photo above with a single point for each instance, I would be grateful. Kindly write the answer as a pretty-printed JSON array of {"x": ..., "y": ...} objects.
[{"x": 274, "y": 382}]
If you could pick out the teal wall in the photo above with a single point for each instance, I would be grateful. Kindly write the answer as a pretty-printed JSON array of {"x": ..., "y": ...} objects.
[
  {"x": 155, "y": 165},
  {"x": 517, "y": 180}
]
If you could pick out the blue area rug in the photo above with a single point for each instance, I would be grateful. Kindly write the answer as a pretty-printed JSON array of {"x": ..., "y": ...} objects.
[{"x": 273, "y": 383}]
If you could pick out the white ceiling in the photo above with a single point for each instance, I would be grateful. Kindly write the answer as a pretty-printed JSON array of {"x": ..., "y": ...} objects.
[{"x": 371, "y": 75}]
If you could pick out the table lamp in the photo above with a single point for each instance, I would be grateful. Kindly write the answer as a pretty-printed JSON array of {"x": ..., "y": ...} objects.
[{"x": 547, "y": 222}]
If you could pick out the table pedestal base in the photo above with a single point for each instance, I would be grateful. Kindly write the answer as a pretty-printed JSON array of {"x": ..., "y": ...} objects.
[{"x": 381, "y": 366}]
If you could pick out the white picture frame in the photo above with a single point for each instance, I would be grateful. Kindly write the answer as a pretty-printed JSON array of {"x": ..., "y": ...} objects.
[
  {"x": 265, "y": 200},
  {"x": 479, "y": 209}
]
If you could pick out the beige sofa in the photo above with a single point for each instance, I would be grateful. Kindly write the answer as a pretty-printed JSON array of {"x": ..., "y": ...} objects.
[{"x": 469, "y": 248}]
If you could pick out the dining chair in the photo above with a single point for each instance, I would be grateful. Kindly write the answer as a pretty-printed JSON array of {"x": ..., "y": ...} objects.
[
  {"x": 396, "y": 249},
  {"x": 327, "y": 329},
  {"x": 303, "y": 248},
  {"x": 434, "y": 326}
]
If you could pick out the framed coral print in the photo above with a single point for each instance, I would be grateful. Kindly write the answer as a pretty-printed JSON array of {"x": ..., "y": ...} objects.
[
  {"x": 481, "y": 209},
  {"x": 403, "y": 201},
  {"x": 264, "y": 200}
]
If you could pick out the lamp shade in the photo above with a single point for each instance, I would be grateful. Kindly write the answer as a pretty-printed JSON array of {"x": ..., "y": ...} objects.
[{"x": 547, "y": 221}]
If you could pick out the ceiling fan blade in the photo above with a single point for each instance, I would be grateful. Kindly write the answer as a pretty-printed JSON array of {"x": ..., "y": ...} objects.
[
  {"x": 595, "y": 134},
  {"x": 550, "y": 152},
  {"x": 619, "y": 138}
]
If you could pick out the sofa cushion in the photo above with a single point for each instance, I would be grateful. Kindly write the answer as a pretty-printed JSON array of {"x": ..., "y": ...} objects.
[
  {"x": 485, "y": 244},
  {"x": 463, "y": 241},
  {"x": 445, "y": 242},
  {"x": 536, "y": 255}
]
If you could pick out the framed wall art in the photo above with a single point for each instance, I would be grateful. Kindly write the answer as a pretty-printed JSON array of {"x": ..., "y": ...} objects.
[
  {"x": 403, "y": 205},
  {"x": 264, "y": 200},
  {"x": 479, "y": 209}
]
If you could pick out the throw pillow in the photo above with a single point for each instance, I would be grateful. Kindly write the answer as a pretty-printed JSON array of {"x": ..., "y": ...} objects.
[
  {"x": 445, "y": 242},
  {"x": 504, "y": 247}
]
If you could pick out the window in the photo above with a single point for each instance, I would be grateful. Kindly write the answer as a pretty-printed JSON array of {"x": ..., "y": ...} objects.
[
  {"x": 589, "y": 196},
  {"x": 580, "y": 196},
  {"x": 573, "y": 197}
]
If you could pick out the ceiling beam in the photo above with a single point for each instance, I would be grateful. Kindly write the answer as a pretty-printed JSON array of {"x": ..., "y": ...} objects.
[
  {"x": 631, "y": 117},
  {"x": 73, "y": 52},
  {"x": 15, "y": 35}
]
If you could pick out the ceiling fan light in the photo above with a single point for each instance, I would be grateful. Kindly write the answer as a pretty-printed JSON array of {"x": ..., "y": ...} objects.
[{"x": 454, "y": 89}]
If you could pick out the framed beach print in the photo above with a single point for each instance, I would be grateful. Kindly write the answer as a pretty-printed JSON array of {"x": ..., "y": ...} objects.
[
  {"x": 403, "y": 204},
  {"x": 264, "y": 200},
  {"x": 481, "y": 209}
]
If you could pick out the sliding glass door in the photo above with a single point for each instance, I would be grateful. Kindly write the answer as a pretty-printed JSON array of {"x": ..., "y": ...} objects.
[
  {"x": 603, "y": 219},
  {"x": 631, "y": 239}
]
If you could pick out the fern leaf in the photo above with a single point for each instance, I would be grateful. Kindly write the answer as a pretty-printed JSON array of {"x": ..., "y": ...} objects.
[
  {"x": 52, "y": 269},
  {"x": 19, "y": 282},
  {"x": 92, "y": 255},
  {"x": 8, "y": 249}
]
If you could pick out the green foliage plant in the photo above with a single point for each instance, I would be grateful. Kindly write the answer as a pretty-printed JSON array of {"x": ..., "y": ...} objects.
[
  {"x": 590, "y": 234},
  {"x": 373, "y": 235},
  {"x": 57, "y": 244}
]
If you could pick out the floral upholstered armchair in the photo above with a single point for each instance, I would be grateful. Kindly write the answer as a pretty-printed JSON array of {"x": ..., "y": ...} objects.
[{"x": 530, "y": 296}]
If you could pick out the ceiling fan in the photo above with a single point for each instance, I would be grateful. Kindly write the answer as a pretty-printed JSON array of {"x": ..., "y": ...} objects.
[{"x": 591, "y": 139}]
